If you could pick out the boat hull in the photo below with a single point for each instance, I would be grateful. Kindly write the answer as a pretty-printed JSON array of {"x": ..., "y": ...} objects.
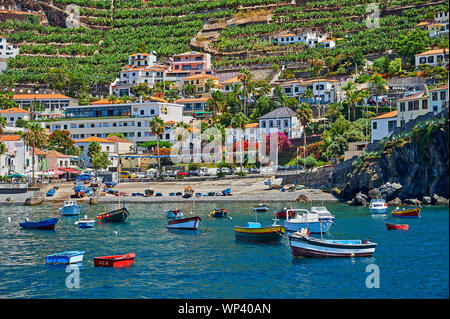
[
  {"x": 390, "y": 226},
  {"x": 117, "y": 261},
  {"x": 259, "y": 235},
  {"x": 409, "y": 213},
  {"x": 86, "y": 224},
  {"x": 64, "y": 259},
  {"x": 71, "y": 210},
  {"x": 282, "y": 214},
  {"x": 314, "y": 248},
  {"x": 378, "y": 210},
  {"x": 314, "y": 227},
  {"x": 48, "y": 223},
  {"x": 260, "y": 209},
  {"x": 116, "y": 216},
  {"x": 184, "y": 223}
]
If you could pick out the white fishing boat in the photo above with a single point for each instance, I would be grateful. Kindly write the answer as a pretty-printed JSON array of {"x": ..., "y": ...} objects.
[
  {"x": 378, "y": 206},
  {"x": 323, "y": 213},
  {"x": 306, "y": 219},
  {"x": 85, "y": 222},
  {"x": 191, "y": 223}
]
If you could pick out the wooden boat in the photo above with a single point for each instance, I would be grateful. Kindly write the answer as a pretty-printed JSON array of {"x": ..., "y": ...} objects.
[
  {"x": 51, "y": 192},
  {"x": 306, "y": 219},
  {"x": 66, "y": 257},
  {"x": 35, "y": 199},
  {"x": 397, "y": 226},
  {"x": 227, "y": 192},
  {"x": 85, "y": 222},
  {"x": 407, "y": 213},
  {"x": 149, "y": 192},
  {"x": 70, "y": 208},
  {"x": 260, "y": 208},
  {"x": 304, "y": 246},
  {"x": 48, "y": 223},
  {"x": 191, "y": 223},
  {"x": 188, "y": 191},
  {"x": 253, "y": 232},
  {"x": 174, "y": 213},
  {"x": 116, "y": 216},
  {"x": 116, "y": 261},
  {"x": 218, "y": 212},
  {"x": 378, "y": 206}
]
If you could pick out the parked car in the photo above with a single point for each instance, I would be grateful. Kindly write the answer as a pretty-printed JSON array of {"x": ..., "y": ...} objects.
[
  {"x": 140, "y": 175},
  {"x": 203, "y": 171},
  {"x": 237, "y": 169},
  {"x": 254, "y": 170},
  {"x": 226, "y": 170},
  {"x": 194, "y": 173},
  {"x": 180, "y": 173}
]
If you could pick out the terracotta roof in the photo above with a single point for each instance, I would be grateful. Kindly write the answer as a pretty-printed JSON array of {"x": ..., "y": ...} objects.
[
  {"x": 53, "y": 153},
  {"x": 202, "y": 99},
  {"x": 93, "y": 139},
  {"x": 432, "y": 51},
  {"x": 385, "y": 115},
  {"x": 158, "y": 99},
  {"x": 170, "y": 122},
  {"x": 32, "y": 96},
  {"x": 14, "y": 110},
  {"x": 136, "y": 54},
  {"x": 115, "y": 138},
  {"x": 7, "y": 138},
  {"x": 443, "y": 87},
  {"x": 200, "y": 76},
  {"x": 287, "y": 35},
  {"x": 105, "y": 101},
  {"x": 421, "y": 24},
  {"x": 252, "y": 125},
  {"x": 414, "y": 96},
  {"x": 232, "y": 80}
]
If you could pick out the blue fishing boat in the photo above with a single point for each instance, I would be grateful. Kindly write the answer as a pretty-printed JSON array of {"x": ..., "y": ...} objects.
[
  {"x": 70, "y": 208},
  {"x": 227, "y": 192},
  {"x": 51, "y": 192},
  {"x": 66, "y": 257},
  {"x": 48, "y": 223},
  {"x": 85, "y": 222}
]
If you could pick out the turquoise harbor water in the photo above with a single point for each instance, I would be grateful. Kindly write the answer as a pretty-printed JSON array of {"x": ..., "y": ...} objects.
[{"x": 212, "y": 264}]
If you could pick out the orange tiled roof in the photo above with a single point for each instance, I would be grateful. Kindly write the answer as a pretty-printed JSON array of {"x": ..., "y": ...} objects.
[
  {"x": 414, "y": 96},
  {"x": 14, "y": 110},
  {"x": 232, "y": 80},
  {"x": 7, "y": 138},
  {"x": 200, "y": 76},
  {"x": 202, "y": 99},
  {"x": 385, "y": 115},
  {"x": 432, "y": 51},
  {"x": 115, "y": 138},
  {"x": 93, "y": 139},
  {"x": 38, "y": 96},
  {"x": 53, "y": 153},
  {"x": 443, "y": 87}
]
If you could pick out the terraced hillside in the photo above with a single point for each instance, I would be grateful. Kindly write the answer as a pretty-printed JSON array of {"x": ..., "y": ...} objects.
[{"x": 90, "y": 56}]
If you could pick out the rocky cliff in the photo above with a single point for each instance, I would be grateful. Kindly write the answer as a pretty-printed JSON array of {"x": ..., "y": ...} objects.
[
  {"x": 416, "y": 166},
  {"x": 53, "y": 14}
]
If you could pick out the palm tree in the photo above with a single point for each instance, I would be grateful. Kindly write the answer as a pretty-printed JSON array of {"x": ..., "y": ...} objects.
[
  {"x": 380, "y": 85},
  {"x": 189, "y": 89},
  {"x": 245, "y": 76},
  {"x": 304, "y": 114},
  {"x": 317, "y": 66},
  {"x": 349, "y": 89},
  {"x": 36, "y": 137},
  {"x": 236, "y": 93},
  {"x": 209, "y": 84},
  {"x": 157, "y": 127},
  {"x": 240, "y": 120}
]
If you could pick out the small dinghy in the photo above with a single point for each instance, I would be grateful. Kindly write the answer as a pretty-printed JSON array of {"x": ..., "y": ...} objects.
[
  {"x": 85, "y": 222},
  {"x": 218, "y": 212},
  {"x": 406, "y": 213},
  {"x": 190, "y": 223},
  {"x": 64, "y": 258},
  {"x": 390, "y": 226},
  {"x": 48, "y": 223},
  {"x": 116, "y": 261},
  {"x": 174, "y": 213}
]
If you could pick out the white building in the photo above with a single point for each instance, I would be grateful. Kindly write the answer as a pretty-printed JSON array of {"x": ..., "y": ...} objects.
[
  {"x": 383, "y": 125},
  {"x": 310, "y": 38},
  {"x": 434, "y": 57},
  {"x": 284, "y": 119},
  {"x": 438, "y": 98},
  {"x": 105, "y": 146},
  {"x": 325, "y": 89},
  {"x": 7, "y": 51},
  {"x": 44, "y": 105},
  {"x": 18, "y": 157},
  {"x": 13, "y": 114}
]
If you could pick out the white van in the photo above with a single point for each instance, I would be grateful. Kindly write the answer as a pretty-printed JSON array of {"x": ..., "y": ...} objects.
[{"x": 203, "y": 171}]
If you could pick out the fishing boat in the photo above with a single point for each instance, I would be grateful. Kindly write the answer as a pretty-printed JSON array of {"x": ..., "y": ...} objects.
[
  {"x": 378, "y": 206},
  {"x": 51, "y": 192},
  {"x": 85, "y": 222},
  {"x": 390, "y": 226},
  {"x": 70, "y": 208},
  {"x": 306, "y": 219},
  {"x": 304, "y": 246},
  {"x": 118, "y": 215},
  {"x": 218, "y": 212},
  {"x": 282, "y": 213},
  {"x": 66, "y": 257},
  {"x": 174, "y": 213},
  {"x": 323, "y": 213},
  {"x": 260, "y": 208},
  {"x": 407, "y": 213},
  {"x": 35, "y": 199},
  {"x": 227, "y": 192},
  {"x": 191, "y": 223},
  {"x": 48, "y": 223},
  {"x": 80, "y": 191},
  {"x": 116, "y": 261},
  {"x": 253, "y": 232},
  {"x": 188, "y": 191}
]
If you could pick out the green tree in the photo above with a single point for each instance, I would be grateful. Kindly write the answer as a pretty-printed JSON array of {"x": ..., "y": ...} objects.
[
  {"x": 412, "y": 43},
  {"x": 35, "y": 137},
  {"x": 379, "y": 85},
  {"x": 100, "y": 161},
  {"x": 93, "y": 149},
  {"x": 60, "y": 141},
  {"x": 6, "y": 101},
  {"x": 304, "y": 114},
  {"x": 157, "y": 127},
  {"x": 245, "y": 76}
]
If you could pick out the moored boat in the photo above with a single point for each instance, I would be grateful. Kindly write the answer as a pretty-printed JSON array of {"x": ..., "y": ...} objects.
[
  {"x": 188, "y": 191},
  {"x": 304, "y": 246},
  {"x": 118, "y": 215},
  {"x": 282, "y": 213},
  {"x": 378, "y": 206},
  {"x": 260, "y": 208},
  {"x": 34, "y": 199},
  {"x": 191, "y": 223},
  {"x": 115, "y": 261},
  {"x": 66, "y": 257},
  {"x": 48, "y": 223},
  {"x": 253, "y": 232},
  {"x": 406, "y": 213},
  {"x": 51, "y": 192},
  {"x": 70, "y": 208},
  {"x": 174, "y": 213},
  {"x": 323, "y": 213},
  {"x": 85, "y": 222},
  {"x": 218, "y": 212},
  {"x": 306, "y": 219},
  {"x": 397, "y": 226}
]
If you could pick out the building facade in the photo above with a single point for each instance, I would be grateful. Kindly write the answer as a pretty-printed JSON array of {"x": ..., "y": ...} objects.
[
  {"x": 282, "y": 119},
  {"x": 13, "y": 114},
  {"x": 383, "y": 126}
]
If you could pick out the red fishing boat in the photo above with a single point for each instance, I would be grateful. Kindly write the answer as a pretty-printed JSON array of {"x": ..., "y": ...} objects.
[
  {"x": 397, "y": 226},
  {"x": 282, "y": 213},
  {"x": 115, "y": 261},
  {"x": 407, "y": 213}
]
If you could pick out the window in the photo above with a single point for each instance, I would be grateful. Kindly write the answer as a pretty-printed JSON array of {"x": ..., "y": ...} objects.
[
  {"x": 139, "y": 124},
  {"x": 410, "y": 106},
  {"x": 416, "y": 105},
  {"x": 422, "y": 60},
  {"x": 443, "y": 95},
  {"x": 391, "y": 125},
  {"x": 270, "y": 123},
  {"x": 424, "y": 104},
  {"x": 152, "y": 111},
  {"x": 374, "y": 125},
  {"x": 434, "y": 96},
  {"x": 402, "y": 106},
  {"x": 430, "y": 59},
  {"x": 263, "y": 124},
  {"x": 286, "y": 123}
]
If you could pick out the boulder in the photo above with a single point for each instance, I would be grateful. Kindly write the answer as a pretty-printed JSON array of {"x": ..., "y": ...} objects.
[
  {"x": 395, "y": 202},
  {"x": 438, "y": 200},
  {"x": 411, "y": 201},
  {"x": 302, "y": 199},
  {"x": 373, "y": 193},
  {"x": 426, "y": 200},
  {"x": 389, "y": 191},
  {"x": 359, "y": 200}
]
